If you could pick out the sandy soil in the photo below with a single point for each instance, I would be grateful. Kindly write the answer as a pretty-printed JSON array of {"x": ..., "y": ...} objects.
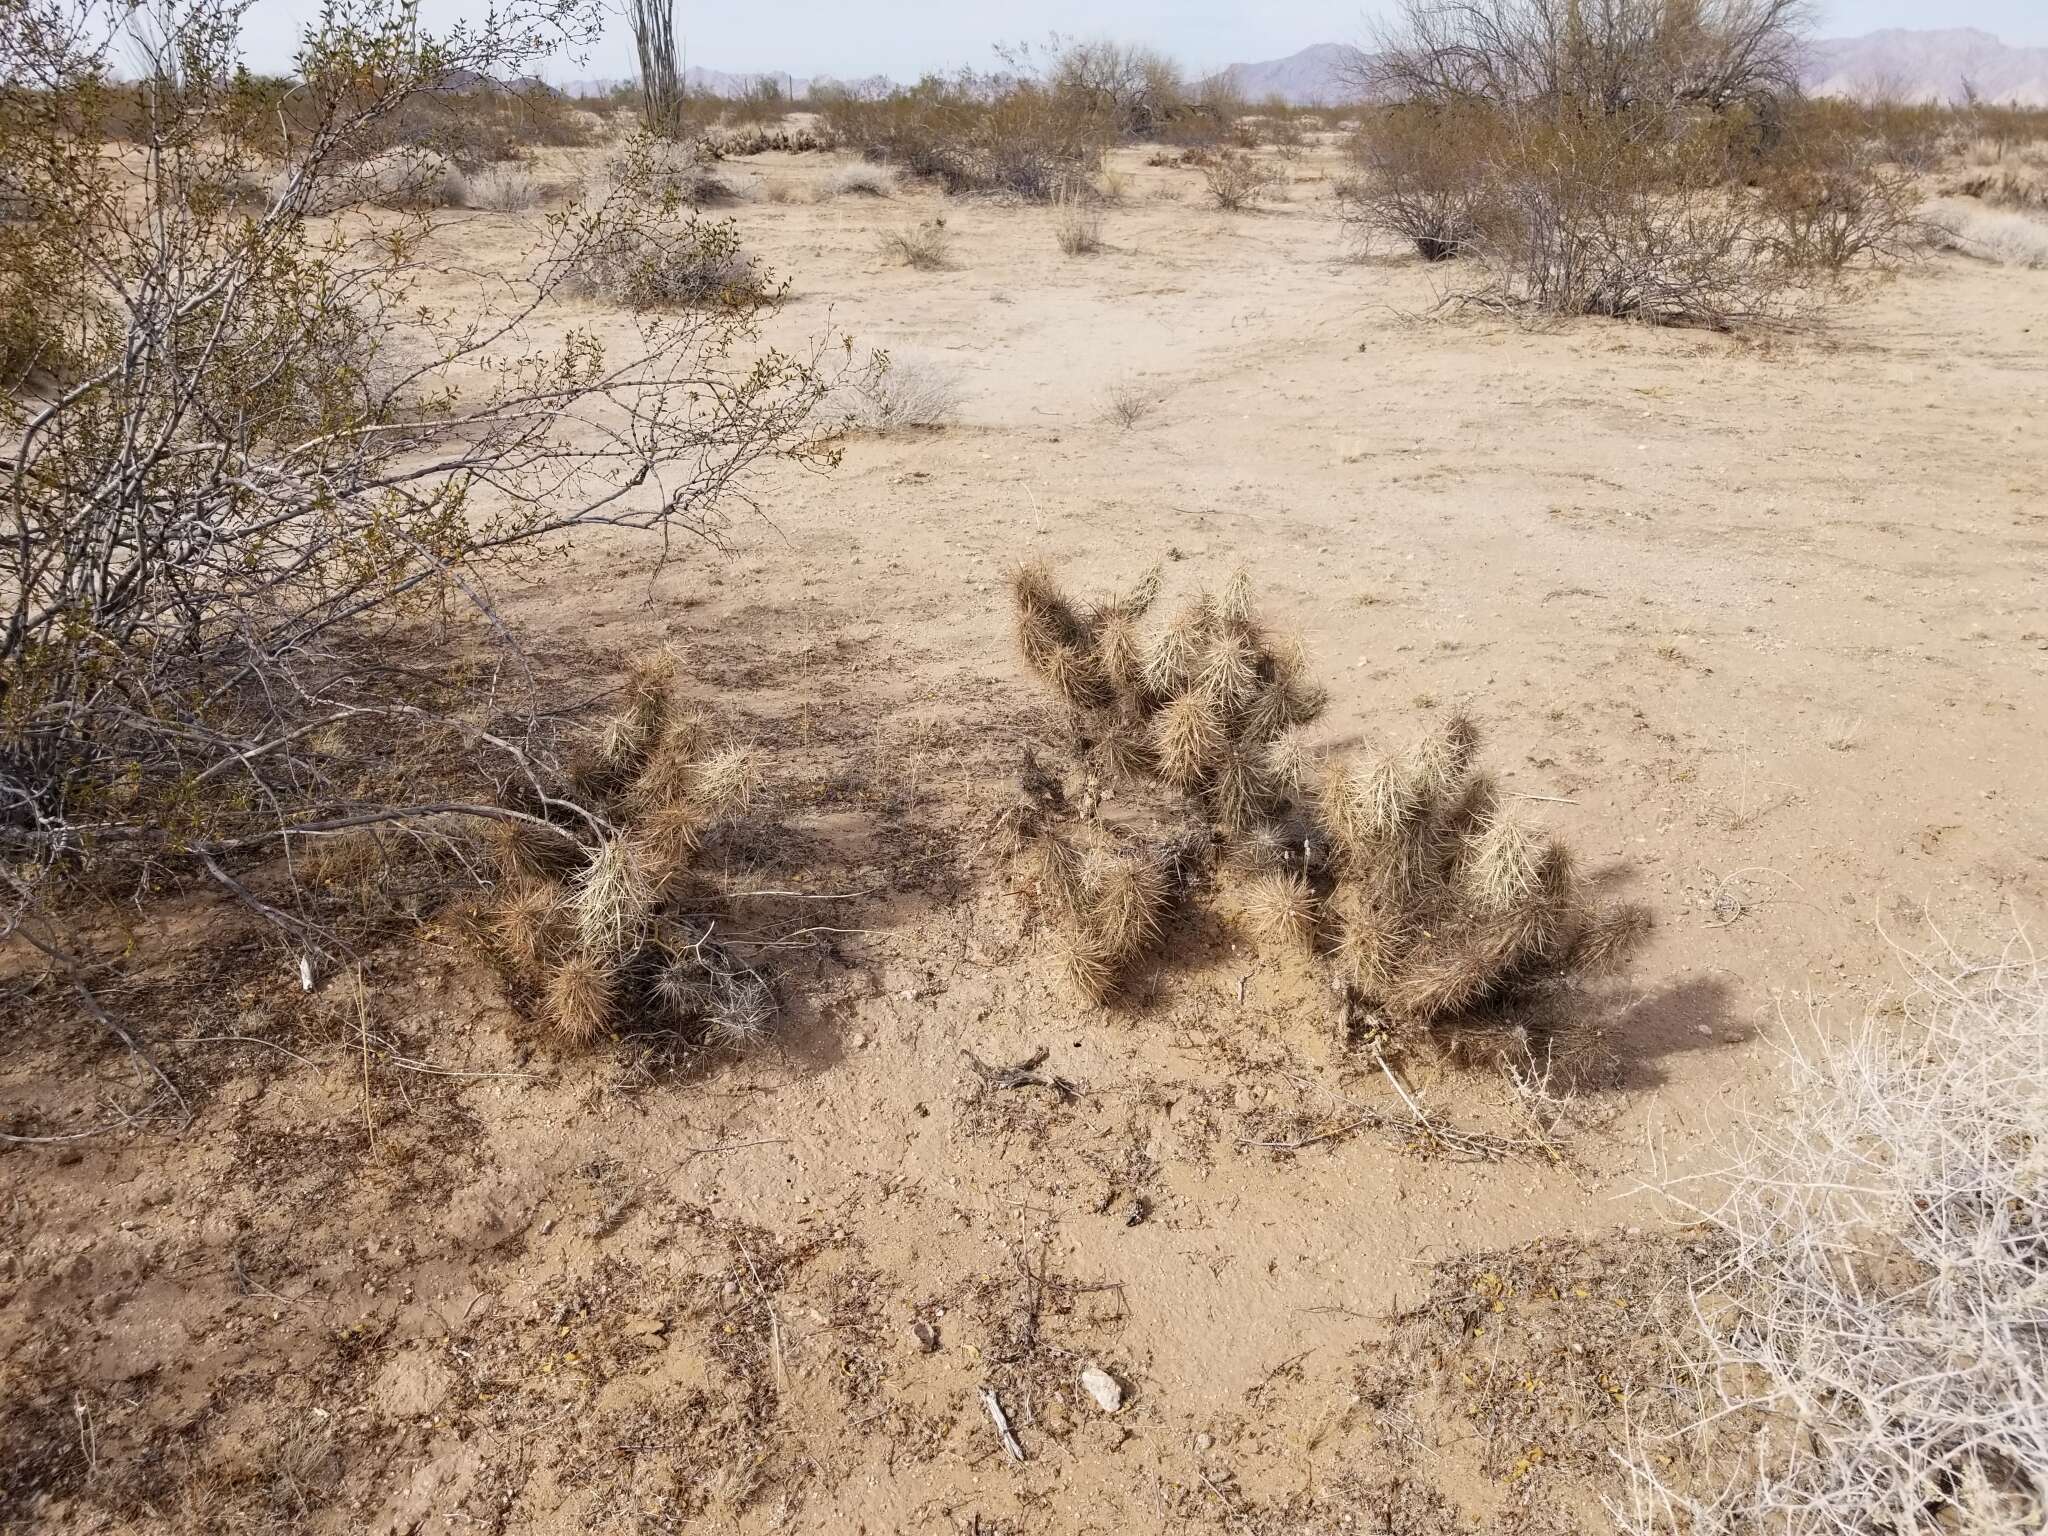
[{"x": 1758, "y": 625}]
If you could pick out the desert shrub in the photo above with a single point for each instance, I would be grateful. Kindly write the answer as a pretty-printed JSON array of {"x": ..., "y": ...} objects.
[
  {"x": 1989, "y": 234},
  {"x": 1598, "y": 217},
  {"x": 2007, "y": 189},
  {"x": 1077, "y": 225},
  {"x": 408, "y": 179},
  {"x": 1592, "y": 221},
  {"x": 47, "y": 313},
  {"x": 1631, "y": 162},
  {"x": 1830, "y": 205},
  {"x": 1912, "y": 135},
  {"x": 976, "y": 133},
  {"x": 503, "y": 189},
  {"x": 761, "y": 100},
  {"x": 654, "y": 263},
  {"x": 1132, "y": 89},
  {"x": 1238, "y": 180},
  {"x": 675, "y": 174},
  {"x": 619, "y": 919},
  {"x": 229, "y": 526},
  {"x": 1128, "y": 404},
  {"x": 1872, "y": 1352},
  {"x": 1280, "y": 127},
  {"x": 1424, "y": 175},
  {"x": 2006, "y": 129},
  {"x": 923, "y": 245},
  {"x": 1198, "y": 125},
  {"x": 471, "y": 123},
  {"x": 1445, "y": 917},
  {"x": 893, "y": 394},
  {"x": 1623, "y": 58}
]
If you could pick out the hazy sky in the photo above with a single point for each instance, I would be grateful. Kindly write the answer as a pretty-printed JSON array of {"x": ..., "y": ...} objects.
[{"x": 850, "y": 38}]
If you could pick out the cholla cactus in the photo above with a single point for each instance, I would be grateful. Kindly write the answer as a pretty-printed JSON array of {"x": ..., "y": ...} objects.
[
  {"x": 1203, "y": 705},
  {"x": 595, "y": 922},
  {"x": 1443, "y": 916},
  {"x": 1444, "y": 909}
]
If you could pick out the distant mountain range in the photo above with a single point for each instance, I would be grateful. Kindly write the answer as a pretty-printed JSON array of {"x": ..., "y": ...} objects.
[
  {"x": 1928, "y": 66},
  {"x": 1319, "y": 75},
  {"x": 1910, "y": 65}
]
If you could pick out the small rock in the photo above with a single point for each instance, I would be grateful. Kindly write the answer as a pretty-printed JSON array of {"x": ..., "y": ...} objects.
[
  {"x": 858, "y": 1042},
  {"x": 926, "y": 1335},
  {"x": 1103, "y": 1387},
  {"x": 1204, "y": 1440}
]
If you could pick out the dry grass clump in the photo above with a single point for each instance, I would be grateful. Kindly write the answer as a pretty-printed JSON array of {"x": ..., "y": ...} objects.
[
  {"x": 503, "y": 189},
  {"x": 1989, "y": 234},
  {"x": 1443, "y": 916},
  {"x": 611, "y": 920},
  {"x": 2008, "y": 189},
  {"x": 1873, "y": 1345},
  {"x": 1077, "y": 225},
  {"x": 924, "y": 246},
  {"x": 905, "y": 394},
  {"x": 860, "y": 181},
  {"x": 1236, "y": 179}
]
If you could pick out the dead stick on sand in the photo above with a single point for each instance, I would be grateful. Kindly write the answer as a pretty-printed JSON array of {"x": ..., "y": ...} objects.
[{"x": 1002, "y": 1423}]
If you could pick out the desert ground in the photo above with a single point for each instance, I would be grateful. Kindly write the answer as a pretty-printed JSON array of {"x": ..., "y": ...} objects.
[{"x": 1757, "y": 623}]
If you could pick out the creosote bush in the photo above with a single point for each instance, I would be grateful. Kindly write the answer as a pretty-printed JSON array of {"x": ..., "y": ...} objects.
[
  {"x": 1423, "y": 176},
  {"x": 255, "y": 456},
  {"x": 609, "y": 907},
  {"x": 1634, "y": 161},
  {"x": 1440, "y": 912},
  {"x": 651, "y": 263},
  {"x": 1012, "y": 133}
]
